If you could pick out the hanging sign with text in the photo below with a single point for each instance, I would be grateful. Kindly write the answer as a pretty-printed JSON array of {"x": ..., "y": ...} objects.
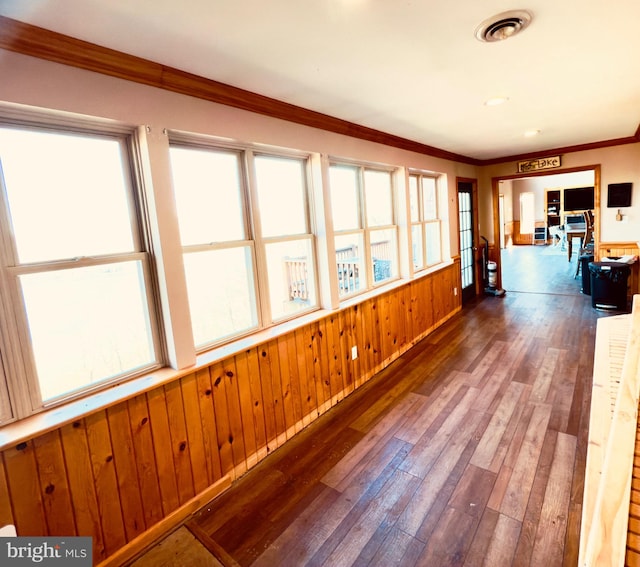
[{"x": 538, "y": 164}]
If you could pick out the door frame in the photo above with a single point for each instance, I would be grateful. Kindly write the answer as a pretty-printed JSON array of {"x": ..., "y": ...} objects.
[
  {"x": 501, "y": 236},
  {"x": 495, "y": 191},
  {"x": 478, "y": 272}
]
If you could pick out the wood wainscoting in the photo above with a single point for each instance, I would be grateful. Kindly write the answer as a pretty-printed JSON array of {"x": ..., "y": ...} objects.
[
  {"x": 520, "y": 238},
  {"x": 119, "y": 473},
  {"x": 613, "y": 249}
]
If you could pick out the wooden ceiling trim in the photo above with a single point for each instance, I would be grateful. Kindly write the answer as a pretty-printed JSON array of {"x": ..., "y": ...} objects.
[
  {"x": 45, "y": 44},
  {"x": 567, "y": 149}
]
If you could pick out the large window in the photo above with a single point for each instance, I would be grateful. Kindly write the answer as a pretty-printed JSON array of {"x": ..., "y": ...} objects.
[
  {"x": 527, "y": 213},
  {"x": 285, "y": 234},
  {"x": 246, "y": 267},
  {"x": 219, "y": 256},
  {"x": 366, "y": 237},
  {"x": 76, "y": 273},
  {"x": 426, "y": 224}
]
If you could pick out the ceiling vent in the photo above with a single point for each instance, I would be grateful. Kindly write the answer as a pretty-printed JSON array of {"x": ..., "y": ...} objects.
[{"x": 503, "y": 26}]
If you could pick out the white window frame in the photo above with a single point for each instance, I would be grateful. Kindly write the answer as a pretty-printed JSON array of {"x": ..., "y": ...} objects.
[
  {"x": 252, "y": 221},
  {"x": 263, "y": 241},
  {"x": 184, "y": 141},
  {"x": 423, "y": 222},
  {"x": 159, "y": 250},
  {"x": 363, "y": 231},
  {"x": 6, "y": 409},
  {"x": 18, "y": 376}
]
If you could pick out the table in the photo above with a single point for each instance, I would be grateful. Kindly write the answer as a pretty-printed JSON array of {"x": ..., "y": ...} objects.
[{"x": 571, "y": 234}]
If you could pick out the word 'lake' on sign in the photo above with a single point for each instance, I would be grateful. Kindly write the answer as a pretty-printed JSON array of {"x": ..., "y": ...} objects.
[{"x": 538, "y": 164}]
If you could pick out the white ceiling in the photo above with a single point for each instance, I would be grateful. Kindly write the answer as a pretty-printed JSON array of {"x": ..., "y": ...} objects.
[{"x": 412, "y": 68}]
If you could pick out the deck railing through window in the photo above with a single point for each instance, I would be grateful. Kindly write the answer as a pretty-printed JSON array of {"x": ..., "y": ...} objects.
[
  {"x": 348, "y": 269},
  {"x": 297, "y": 276}
]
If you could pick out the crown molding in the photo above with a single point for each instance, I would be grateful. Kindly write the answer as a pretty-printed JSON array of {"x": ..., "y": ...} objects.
[
  {"x": 566, "y": 149},
  {"x": 39, "y": 42},
  {"x": 45, "y": 44}
]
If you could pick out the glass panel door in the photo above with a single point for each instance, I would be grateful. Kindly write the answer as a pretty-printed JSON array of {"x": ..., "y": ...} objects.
[{"x": 467, "y": 245}]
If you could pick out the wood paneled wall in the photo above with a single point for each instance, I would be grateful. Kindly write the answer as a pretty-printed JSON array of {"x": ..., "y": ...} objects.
[
  {"x": 118, "y": 472},
  {"x": 518, "y": 237}
]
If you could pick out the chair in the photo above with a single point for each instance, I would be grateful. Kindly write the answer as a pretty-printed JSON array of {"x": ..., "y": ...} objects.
[
  {"x": 588, "y": 221},
  {"x": 587, "y": 245},
  {"x": 558, "y": 236}
]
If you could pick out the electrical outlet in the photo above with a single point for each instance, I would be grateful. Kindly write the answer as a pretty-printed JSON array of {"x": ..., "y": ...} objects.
[{"x": 354, "y": 352}]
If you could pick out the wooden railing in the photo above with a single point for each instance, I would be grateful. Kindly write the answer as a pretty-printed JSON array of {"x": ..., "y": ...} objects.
[
  {"x": 381, "y": 250},
  {"x": 348, "y": 269},
  {"x": 297, "y": 275},
  {"x": 348, "y": 275},
  {"x": 346, "y": 252},
  {"x": 610, "y": 533}
]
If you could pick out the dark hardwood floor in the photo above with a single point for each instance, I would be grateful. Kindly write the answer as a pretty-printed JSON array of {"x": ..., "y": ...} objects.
[{"x": 468, "y": 450}]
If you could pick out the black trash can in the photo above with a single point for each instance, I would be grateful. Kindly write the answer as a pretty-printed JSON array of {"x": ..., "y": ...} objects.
[
  {"x": 609, "y": 285},
  {"x": 584, "y": 260}
]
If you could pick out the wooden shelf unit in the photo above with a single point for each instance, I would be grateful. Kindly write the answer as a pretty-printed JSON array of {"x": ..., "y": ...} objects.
[
  {"x": 540, "y": 233},
  {"x": 553, "y": 208}
]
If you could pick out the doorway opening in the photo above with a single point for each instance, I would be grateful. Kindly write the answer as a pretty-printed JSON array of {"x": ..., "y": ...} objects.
[
  {"x": 523, "y": 215},
  {"x": 503, "y": 242}
]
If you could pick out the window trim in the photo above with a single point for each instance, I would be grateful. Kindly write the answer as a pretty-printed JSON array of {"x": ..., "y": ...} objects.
[
  {"x": 247, "y": 153},
  {"x": 20, "y": 376},
  {"x": 361, "y": 167},
  {"x": 147, "y": 152},
  {"x": 424, "y": 223},
  {"x": 6, "y": 410},
  {"x": 261, "y": 242}
]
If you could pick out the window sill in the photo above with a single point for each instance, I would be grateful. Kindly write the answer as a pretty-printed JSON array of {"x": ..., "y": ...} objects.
[
  {"x": 359, "y": 298},
  {"x": 47, "y": 420},
  {"x": 25, "y": 429}
]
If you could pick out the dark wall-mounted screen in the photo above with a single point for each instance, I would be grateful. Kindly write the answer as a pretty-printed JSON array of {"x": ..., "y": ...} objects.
[
  {"x": 578, "y": 199},
  {"x": 619, "y": 195}
]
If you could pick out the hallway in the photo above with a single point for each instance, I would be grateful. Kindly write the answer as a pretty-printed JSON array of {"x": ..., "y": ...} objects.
[
  {"x": 540, "y": 269},
  {"x": 469, "y": 450}
]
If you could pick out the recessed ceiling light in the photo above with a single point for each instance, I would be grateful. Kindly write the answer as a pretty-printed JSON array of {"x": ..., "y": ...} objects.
[
  {"x": 503, "y": 26},
  {"x": 495, "y": 101},
  {"x": 531, "y": 133}
]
